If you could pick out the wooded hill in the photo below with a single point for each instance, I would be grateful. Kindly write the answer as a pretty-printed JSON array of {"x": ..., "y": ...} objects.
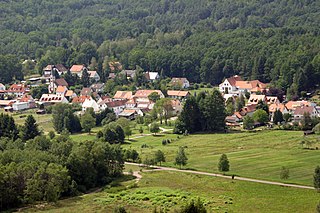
[{"x": 269, "y": 40}]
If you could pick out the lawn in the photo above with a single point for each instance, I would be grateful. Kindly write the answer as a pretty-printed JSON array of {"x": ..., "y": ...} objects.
[
  {"x": 257, "y": 155},
  {"x": 170, "y": 190}
]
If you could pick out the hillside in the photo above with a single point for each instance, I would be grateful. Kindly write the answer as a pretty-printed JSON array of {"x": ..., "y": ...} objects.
[{"x": 274, "y": 41}]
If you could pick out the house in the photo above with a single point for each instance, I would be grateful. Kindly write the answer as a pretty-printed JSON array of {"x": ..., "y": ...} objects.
[
  {"x": 57, "y": 82},
  {"x": 272, "y": 100},
  {"x": 117, "y": 106},
  {"x": 248, "y": 110},
  {"x": 122, "y": 95},
  {"x": 78, "y": 69},
  {"x": 49, "y": 69},
  {"x": 2, "y": 88},
  {"x": 80, "y": 99},
  {"x": 229, "y": 85},
  {"x": 29, "y": 99},
  {"x": 18, "y": 90},
  {"x": 255, "y": 99},
  {"x": 70, "y": 95},
  {"x": 131, "y": 103},
  {"x": 235, "y": 85},
  {"x": 98, "y": 87},
  {"x": 292, "y": 105},
  {"x": 180, "y": 82},
  {"x": 277, "y": 106},
  {"x": 61, "y": 90},
  {"x": 52, "y": 99},
  {"x": 86, "y": 91},
  {"x": 18, "y": 106},
  {"x": 104, "y": 98},
  {"x": 142, "y": 95},
  {"x": 234, "y": 120},
  {"x": 6, "y": 103},
  {"x": 152, "y": 76},
  {"x": 94, "y": 75},
  {"x": 129, "y": 73},
  {"x": 176, "y": 106},
  {"x": 112, "y": 75},
  {"x": 175, "y": 94},
  {"x": 301, "y": 110},
  {"x": 90, "y": 103}
]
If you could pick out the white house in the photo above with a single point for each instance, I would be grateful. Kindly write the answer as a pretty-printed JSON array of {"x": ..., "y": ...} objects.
[
  {"x": 94, "y": 75},
  {"x": 142, "y": 95},
  {"x": 229, "y": 84},
  {"x": 152, "y": 76},
  {"x": 78, "y": 69},
  {"x": 116, "y": 106},
  {"x": 301, "y": 110},
  {"x": 52, "y": 99},
  {"x": 180, "y": 82},
  {"x": 90, "y": 103},
  {"x": 20, "y": 106}
]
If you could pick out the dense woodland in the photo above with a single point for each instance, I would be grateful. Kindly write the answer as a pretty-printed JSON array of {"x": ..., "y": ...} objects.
[{"x": 275, "y": 41}]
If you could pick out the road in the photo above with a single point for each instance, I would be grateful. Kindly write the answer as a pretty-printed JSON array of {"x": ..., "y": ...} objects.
[{"x": 161, "y": 168}]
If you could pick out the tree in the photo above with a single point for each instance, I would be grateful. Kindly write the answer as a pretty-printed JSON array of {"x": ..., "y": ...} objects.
[
  {"x": 127, "y": 131},
  {"x": 85, "y": 78},
  {"x": 287, "y": 117},
  {"x": 223, "y": 165},
  {"x": 154, "y": 97},
  {"x": 278, "y": 117},
  {"x": 316, "y": 178},
  {"x": 284, "y": 174},
  {"x": 63, "y": 118},
  {"x": 154, "y": 128},
  {"x": 262, "y": 105},
  {"x": 306, "y": 121},
  {"x": 159, "y": 157},
  {"x": 164, "y": 108},
  {"x": 248, "y": 122},
  {"x": 260, "y": 116},
  {"x": 193, "y": 207},
  {"x": 141, "y": 130},
  {"x": 30, "y": 128},
  {"x": 87, "y": 122},
  {"x": 181, "y": 158},
  {"x": 120, "y": 134}
]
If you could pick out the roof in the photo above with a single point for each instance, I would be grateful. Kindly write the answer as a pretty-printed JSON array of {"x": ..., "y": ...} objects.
[
  {"x": 97, "y": 86},
  {"x": 304, "y": 109},
  {"x": 80, "y": 99},
  {"x": 232, "y": 80},
  {"x": 118, "y": 103},
  {"x": 48, "y": 67},
  {"x": 127, "y": 112},
  {"x": 61, "y": 82},
  {"x": 175, "y": 103},
  {"x": 251, "y": 85},
  {"x": 123, "y": 95},
  {"x": 86, "y": 91},
  {"x": 90, "y": 103},
  {"x": 151, "y": 75},
  {"x": 115, "y": 65},
  {"x": 61, "y": 89},
  {"x": 130, "y": 73},
  {"x": 178, "y": 93},
  {"x": 92, "y": 74},
  {"x": 61, "y": 68},
  {"x": 274, "y": 107},
  {"x": 53, "y": 98},
  {"x": 26, "y": 98},
  {"x": 6, "y": 102},
  {"x": 291, "y": 105},
  {"x": 238, "y": 115},
  {"x": 179, "y": 80},
  {"x": 247, "y": 109},
  {"x": 272, "y": 100},
  {"x": 69, "y": 93},
  {"x": 146, "y": 93},
  {"x": 256, "y": 98},
  {"x": 77, "y": 68},
  {"x": 112, "y": 75}
]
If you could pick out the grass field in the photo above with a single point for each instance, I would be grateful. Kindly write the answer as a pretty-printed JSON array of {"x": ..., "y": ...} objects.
[
  {"x": 257, "y": 155},
  {"x": 170, "y": 190}
]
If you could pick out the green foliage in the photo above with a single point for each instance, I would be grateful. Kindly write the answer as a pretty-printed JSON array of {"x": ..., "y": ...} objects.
[
  {"x": 119, "y": 209},
  {"x": 260, "y": 116},
  {"x": 37, "y": 92},
  {"x": 181, "y": 158},
  {"x": 248, "y": 122},
  {"x": 87, "y": 122},
  {"x": 316, "y": 178},
  {"x": 278, "y": 117},
  {"x": 154, "y": 97},
  {"x": 285, "y": 173},
  {"x": 159, "y": 157},
  {"x": 194, "y": 207},
  {"x": 30, "y": 128},
  {"x": 154, "y": 128},
  {"x": 63, "y": 118},
  {"x": 51, "y": 134},
  {"x": 8, "y": 127},
  {"x": 223, "y": 164}
]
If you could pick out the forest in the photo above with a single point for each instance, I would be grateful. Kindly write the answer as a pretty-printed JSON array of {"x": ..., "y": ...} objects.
[{"x": 273, "y": 41}]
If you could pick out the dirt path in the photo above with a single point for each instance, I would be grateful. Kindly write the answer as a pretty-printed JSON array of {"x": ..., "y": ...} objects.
[
  {"x": 163, "y": 130},
  {"x": 136, "y": 174},
  {"x": 160, "y": 168}
]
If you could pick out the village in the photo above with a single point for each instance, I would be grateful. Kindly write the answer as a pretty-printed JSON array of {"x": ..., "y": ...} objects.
[{"x": 129, "y": 104}]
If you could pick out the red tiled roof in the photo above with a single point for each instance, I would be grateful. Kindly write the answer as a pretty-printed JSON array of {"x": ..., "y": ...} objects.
[
  {"x": 177, "y": 93},
  {"x": 76, "y": 68},
  {"x": 61, "y": 82},
  {"x": 146, "y": 93},
  {"x": 116, "y": 103},
  {"x": 80, "y": 99},
  {"x": 123, "y": 95}
]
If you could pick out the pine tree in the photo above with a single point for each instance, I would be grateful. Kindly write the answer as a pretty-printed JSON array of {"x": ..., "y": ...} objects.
[
  {"x": 30, "y": 129},
  {"x": 223, "y": 165},
  {"x": 85, "y": 79},
  {"x": 278, "y": 117}
]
